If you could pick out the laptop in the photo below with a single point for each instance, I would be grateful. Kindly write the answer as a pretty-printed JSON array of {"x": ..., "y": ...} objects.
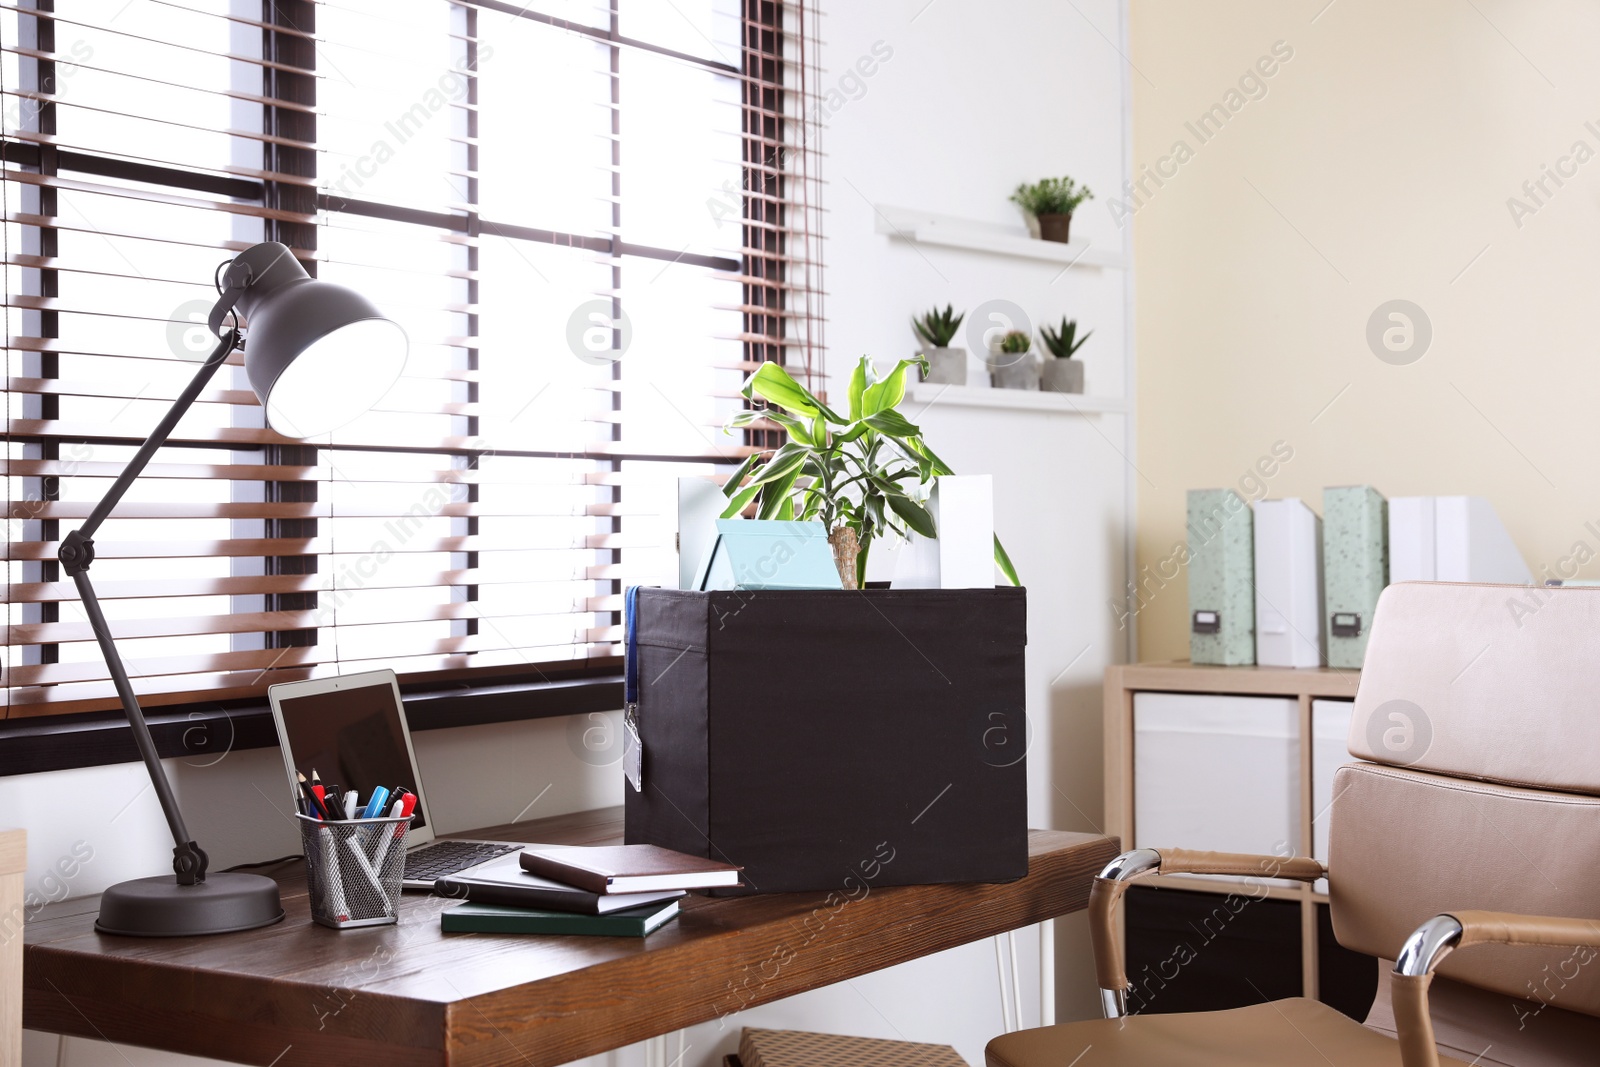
[{"x": 352, "y": 730}]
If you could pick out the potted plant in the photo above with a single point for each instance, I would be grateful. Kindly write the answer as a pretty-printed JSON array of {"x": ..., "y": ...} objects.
[
  {"x": 1015, "y": 367},
  {"x": 1051, "y": 202},
  {"x": 1063, "y": 374},
  {"x": 936, "y": 329},
  {"x": 863, "y": 475}
]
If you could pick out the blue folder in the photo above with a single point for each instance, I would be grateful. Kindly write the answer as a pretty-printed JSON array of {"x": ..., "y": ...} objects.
[{"x": 769, "y": 554}]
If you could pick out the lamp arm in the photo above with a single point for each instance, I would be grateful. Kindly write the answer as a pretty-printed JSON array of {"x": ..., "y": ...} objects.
[
  {"x": 77, "y": 553},
  {"x": 158, "y": 436}
]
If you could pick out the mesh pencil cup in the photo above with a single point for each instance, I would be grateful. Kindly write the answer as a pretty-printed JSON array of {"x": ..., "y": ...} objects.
[{"x": 354, "y": 869}]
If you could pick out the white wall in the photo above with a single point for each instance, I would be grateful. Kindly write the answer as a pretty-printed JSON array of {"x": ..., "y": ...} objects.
[{"x": 972, "y": 100}]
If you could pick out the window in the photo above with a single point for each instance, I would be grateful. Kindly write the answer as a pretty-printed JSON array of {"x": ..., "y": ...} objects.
[{"x": 592, "y": 217}]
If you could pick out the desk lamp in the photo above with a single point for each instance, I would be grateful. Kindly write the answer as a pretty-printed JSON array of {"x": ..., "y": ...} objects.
[{"x": 317, "y": 355}]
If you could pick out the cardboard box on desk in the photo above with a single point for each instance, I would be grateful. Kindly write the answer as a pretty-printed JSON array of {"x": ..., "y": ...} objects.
[{"x": 835, "y": 740}]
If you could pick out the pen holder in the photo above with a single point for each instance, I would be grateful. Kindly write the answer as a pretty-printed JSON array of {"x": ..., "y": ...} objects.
[{"x": 354, "y": 869}]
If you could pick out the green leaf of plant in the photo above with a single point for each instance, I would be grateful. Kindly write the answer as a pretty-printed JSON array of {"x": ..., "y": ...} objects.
[
  {"x": 888, "y": 393},
  {"x": 777, "y": 495},
  {"x": 798, "y": 431},
  {"x": 892, "y": 423},
  {"x": 920, "y": 447},
  {"x": 773, "y": 384},
  {"x": 858, "y": 385},
  {"x": 1003, "y": 561},
  {"x": 874, "y": 509},
  {"x": 731, "y": 486},
  {"x": 852, "y": 433},
  {"x": 913, "y": 514},
  {"x": 784, "y": 462},
  {"x": 741, "y": 501}
]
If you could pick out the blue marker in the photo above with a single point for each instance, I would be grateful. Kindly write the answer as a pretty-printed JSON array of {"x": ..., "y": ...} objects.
[{"x": 374, "y": 808}]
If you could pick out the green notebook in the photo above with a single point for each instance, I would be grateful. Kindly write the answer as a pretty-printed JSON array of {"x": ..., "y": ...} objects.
[{"x": 472, "y": 918}]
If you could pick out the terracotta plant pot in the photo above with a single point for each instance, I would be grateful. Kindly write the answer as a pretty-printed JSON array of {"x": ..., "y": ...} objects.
[
  {"x": 1021, "y": 373},
  {"x": 946, "y": 366},
  {"x": 1054, "y": 227},
  {"x": 1061, "y": 376}
]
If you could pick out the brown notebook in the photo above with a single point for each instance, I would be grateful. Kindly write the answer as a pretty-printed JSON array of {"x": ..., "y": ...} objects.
[{"x": 608, "y": 869}]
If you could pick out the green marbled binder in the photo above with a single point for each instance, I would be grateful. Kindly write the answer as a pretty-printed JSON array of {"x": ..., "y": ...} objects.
[
  {"x": 1355, "y": 562},
  {"x": 1222, "y": 599}
]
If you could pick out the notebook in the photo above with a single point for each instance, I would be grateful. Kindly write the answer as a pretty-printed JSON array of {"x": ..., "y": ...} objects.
[
  {"x": 470, "y": 918},
  {"x": 505, "y": 882},
  {"x": 609, "y": 869}
]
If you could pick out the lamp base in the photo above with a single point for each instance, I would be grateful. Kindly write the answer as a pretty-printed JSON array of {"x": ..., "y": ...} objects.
[{"x": 161, "y": 907}]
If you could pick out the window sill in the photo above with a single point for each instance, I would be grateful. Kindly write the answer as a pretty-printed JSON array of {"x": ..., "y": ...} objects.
[{"x": 57, "y": 743}]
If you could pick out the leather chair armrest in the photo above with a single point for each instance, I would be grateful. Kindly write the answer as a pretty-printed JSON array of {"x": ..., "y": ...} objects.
[
  {"x": 1443, "y": 934},
  {"x": 1114, "y": 878}
]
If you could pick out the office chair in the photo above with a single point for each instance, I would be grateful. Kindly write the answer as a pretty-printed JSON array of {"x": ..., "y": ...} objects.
[{"x": 1465, "y": 849}]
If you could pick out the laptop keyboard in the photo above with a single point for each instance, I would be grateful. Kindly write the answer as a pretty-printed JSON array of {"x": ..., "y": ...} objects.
[{"x": 434, "y": 861}]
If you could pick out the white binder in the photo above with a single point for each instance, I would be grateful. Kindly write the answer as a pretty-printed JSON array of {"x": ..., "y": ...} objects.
[
  {"x": 962, "y": 556},
  {"x": 1451, "y": 539},
  {"x": 1288, "y": 584}
]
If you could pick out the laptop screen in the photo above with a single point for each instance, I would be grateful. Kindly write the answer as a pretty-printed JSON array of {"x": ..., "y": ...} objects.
[{"x": 352, "y": 738}]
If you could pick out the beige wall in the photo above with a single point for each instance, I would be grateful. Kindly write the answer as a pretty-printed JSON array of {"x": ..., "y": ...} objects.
[{"x": 1377, "y": 165}]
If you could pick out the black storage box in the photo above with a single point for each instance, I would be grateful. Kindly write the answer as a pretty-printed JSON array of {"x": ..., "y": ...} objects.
[{"x": 835, "y": 740}]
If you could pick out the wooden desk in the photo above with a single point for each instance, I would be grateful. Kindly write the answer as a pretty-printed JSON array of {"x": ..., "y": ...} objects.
[{"x": 298, "y": 993}]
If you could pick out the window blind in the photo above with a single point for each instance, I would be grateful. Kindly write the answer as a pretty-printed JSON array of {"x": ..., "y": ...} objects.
[{"x": 592, "y": 217}]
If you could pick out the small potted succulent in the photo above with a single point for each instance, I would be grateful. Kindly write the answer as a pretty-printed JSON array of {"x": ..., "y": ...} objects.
[
  {"x": 1063, "y": 374},
  {"x": 1051, "y": 203},
  {"x": 1015, "y": 367},
  {"x": 936, "y": 329}
]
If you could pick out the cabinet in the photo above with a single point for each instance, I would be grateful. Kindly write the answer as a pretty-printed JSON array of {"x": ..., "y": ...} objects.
[{"x": 1236, "y": 759}]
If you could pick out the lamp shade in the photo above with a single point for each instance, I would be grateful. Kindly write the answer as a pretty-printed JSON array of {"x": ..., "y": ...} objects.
[{"x": 317, "y": 354}]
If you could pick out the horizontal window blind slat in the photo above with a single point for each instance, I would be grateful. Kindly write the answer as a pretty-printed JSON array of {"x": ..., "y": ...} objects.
[
  {"x": 262, "y": 546},
  {"x": 168, "y": 690},
  {"x": 230, "y": 435},
  {"x": 47, "y": 181},
  {"x": 398, "y": 508},
  {"x": 242, "y": 57},
  {"x": 255, "y": 622},
  {"x": 45, "y": 592},
  {"x": 222, "y": 92}
]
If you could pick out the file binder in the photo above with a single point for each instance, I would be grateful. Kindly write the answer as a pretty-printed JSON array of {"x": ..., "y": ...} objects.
[
  {"x": 962, "y": 556},
  {"x": 1222, "y": 607},
  {"x": 1355, "y": 559},
  {"x": 1288, "y": 589},
  {"x": 1451, "y": 539}
]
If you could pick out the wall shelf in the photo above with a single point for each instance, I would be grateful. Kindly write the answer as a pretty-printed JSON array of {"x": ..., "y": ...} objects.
[
  {"x": 948, "y": 231},
  {"x": 971, "y": 396}
]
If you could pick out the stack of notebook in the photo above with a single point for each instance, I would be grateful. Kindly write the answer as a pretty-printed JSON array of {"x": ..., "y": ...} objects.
[{"x": 614, "y": 890}]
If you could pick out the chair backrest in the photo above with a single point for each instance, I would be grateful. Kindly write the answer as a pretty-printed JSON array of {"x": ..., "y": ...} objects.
[{"x": 1479, "y": 715}]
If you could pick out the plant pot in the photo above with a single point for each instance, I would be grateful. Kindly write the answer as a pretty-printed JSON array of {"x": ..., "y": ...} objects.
[
  {"x": 1054, "y": 227},
  {"x": 1021, "y": 373},
  {"x": 946, "y": 366},
  {"x": 1061, "y": 376}
]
